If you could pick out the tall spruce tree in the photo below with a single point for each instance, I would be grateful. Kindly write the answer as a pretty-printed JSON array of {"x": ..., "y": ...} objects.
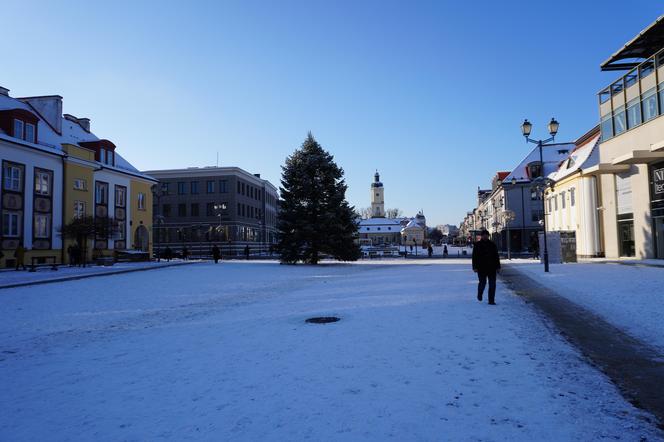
[{"x": 314, "y": 217}]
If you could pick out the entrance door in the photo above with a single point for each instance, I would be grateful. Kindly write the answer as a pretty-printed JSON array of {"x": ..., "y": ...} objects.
[
  {"x": 659, "y": 237},
  {"x": 626, "y": 238},
  {"x": 141, "y": 239}
]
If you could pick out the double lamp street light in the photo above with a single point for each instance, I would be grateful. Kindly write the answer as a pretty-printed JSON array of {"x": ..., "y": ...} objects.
[{"x": 541, "y": 183}]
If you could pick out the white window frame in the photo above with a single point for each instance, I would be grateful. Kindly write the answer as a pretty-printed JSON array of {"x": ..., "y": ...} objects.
[
  {"x": 11, "y": 224},
  {"x": 79, "y": 209},
  {"x": 99, "y": 186},
  {"x": 141, "y": 201},
  {"x": 42, "y": 226},
  {"x": 80, "y": 184},
  {"x": 12, "y": 176},
  {"x": 42, "y": 182},
  {"x": 32, "y": 137},
  {"x": 21, "y": 124},
  {"x": 120, "y": 196}
]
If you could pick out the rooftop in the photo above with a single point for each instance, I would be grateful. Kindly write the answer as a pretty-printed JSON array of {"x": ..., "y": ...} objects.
[{"x": 645, "y": 44}]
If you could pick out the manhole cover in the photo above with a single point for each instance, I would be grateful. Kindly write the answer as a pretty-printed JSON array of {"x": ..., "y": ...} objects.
[{"x": 322, "y": 320}]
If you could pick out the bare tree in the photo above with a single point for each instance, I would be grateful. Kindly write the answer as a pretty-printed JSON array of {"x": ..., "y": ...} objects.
[
  {"x": 365, "y": 212},
  {"x": 394, "y": 213}
]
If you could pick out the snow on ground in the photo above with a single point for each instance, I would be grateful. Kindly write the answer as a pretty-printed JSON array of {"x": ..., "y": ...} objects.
[
  {"x": 222, "y": 352},
  {"x": 11, "y": 276},
  {"x": 627, "y": 296}
]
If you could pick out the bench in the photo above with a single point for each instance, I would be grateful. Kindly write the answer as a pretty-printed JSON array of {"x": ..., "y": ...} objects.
[
  {"x": 105, "y": 261},
  {"x": 40, "y": 261}
]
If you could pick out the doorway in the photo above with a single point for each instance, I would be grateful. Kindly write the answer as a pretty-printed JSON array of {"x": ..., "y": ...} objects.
[
  {"x": 626, "y": 238},
  {"x": 659, "y": 237}
]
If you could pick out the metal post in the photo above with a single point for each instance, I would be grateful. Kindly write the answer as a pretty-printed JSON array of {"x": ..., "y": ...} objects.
[{"x": 546, "y": 248}]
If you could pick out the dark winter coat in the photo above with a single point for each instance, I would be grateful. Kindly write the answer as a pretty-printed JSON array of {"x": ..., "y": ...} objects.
[{"x": 485, "y": 257}]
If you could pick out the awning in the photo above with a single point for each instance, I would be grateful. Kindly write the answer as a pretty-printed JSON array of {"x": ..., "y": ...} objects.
[
  {"x": 644, "y": 45},
  {"x": 604, "y": 168},
  {"x": 639, "y": 157}
]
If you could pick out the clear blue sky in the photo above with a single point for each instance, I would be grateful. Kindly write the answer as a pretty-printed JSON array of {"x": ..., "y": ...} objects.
[{"x": 430, "y": 93}]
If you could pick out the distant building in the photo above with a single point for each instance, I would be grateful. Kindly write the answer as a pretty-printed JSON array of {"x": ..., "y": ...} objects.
[
  {"x": 379, "y": 230},
  {"x": 415, "y": 231},
  {"x": 198, "y": 207},
  {"x": 377, "y": 198}
]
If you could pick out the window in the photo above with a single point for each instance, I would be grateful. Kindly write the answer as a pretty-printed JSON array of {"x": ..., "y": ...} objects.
[
  {"x": 633, "y": 113},
  {"x": 239, "y": 188},
  {"x": 535, "y": 195},
  {"x": 101, "y": 193},
  {"x": 222, "y": 186},
  {"x": 647, "y": 68},
  {"x": 166, "y": 210},
  {"x": 194, "y": 187},
  {"x": 80, "y": 184},
  {"x": 182, "y": 188},
  {"x": 555, "y": 202},
  {"x": 210, "y": 187},
  {"x": 572, "y": 198},
  {"x": 18, "y": 129},
  {"x": 122, "y": 231},
  {"x": 30, "y": 132},
  {"x": 182, "y": 209},
  {"x": 562, "y": 199},
  {"x": 12, "y": 177},
  {"x": 661, "y": 98},
  {"x": 166, "y": 188},
  {"x": 10, "y": 224},
  {"x": 239, "y": 209},
  {"x": 244, "y": 210},
  {"x": 606, "y": 126},
  {"x": 619, "y": 120},
  {"x": 102, "y": 155},
  {"x": 243, "y": 188},
  {"x": 120, "y": 196},
  {"x": 141, "y": 201},
  {"x": 209, "y": 209},
  {"x": 194, "y": 209},
  {"x": 42, "y": 223},
  {"x": 550, "y": 205},
  {"x": 536, "y": 215},
  {"x": 535, "y": 170},
  {"x": 42, "y": 182},
  {"x": 649, "y": 100},
  {"x": 79, "y": 209}
]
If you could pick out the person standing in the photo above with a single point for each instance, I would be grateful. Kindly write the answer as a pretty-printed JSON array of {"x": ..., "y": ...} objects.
[
  {"x": 216, "y": 254},
  {"x": 19, "y": 254},
  {"x": 246, "y": 251},
  {"x": 445, "y": 251},
  {"x": 486, "y": 263},
  {"x": 430, "y": 250}
]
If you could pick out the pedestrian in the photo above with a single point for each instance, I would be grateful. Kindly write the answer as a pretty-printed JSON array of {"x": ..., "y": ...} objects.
[
  {"x": 216, "y": 254},
  {"x": 486, "y": 264},
  {"x": 185, "y": 253},
  {"x": 70, "y": 254},
  {"x": 430, "y": 250},
  {"x": 246, "y": 251},
  {"x": 168, "y": 254},
  {"x": 445, "y": 251},
  {"x": 19, "y": 254}
]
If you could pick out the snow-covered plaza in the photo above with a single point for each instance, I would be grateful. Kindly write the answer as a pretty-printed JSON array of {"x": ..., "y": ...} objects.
[{"x": 222, "y": 352}]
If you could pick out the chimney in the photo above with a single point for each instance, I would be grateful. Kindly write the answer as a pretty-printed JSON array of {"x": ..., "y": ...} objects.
[
  {"x": 257, "y": 175},
  {"x": 49, "y": 107},
  {"x": 84, "y": 123},
  {"x": 4, "y": 91}
]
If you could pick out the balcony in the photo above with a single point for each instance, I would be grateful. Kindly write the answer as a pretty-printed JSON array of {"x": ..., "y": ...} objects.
[{"x": 634, "y": 99}]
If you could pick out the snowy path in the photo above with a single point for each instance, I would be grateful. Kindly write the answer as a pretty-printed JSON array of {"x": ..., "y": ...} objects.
[{"x": 221, "y": 352}]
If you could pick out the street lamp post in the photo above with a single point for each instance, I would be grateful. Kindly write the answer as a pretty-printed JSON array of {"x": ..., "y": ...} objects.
[{"x": 526, "y": 128}]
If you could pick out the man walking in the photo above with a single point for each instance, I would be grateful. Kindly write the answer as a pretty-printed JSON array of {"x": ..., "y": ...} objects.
[
  {"x": 216, "y": 253},
  {"x": 486, "y": 263}
]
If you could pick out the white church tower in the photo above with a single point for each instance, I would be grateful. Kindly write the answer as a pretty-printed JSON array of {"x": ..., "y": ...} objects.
[{"x": 377, "y": 199}]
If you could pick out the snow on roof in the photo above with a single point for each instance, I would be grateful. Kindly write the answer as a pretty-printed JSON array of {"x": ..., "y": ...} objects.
[
  {"x": 552, "y": 154},
  {"x": 50, "y": 141},
  {"x": 584, "y": 156}
]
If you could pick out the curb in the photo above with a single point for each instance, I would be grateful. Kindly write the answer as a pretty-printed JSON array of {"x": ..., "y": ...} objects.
[
  {"x": 636, "y": 368},
  {"x": 93, "y": 275}
]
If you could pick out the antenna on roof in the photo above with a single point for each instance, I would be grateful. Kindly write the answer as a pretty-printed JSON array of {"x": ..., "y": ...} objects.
[{"x": 217, "y": 159}]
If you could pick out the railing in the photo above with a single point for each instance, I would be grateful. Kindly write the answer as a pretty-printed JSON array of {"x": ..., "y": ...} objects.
[{"x": 634, "y": 99}]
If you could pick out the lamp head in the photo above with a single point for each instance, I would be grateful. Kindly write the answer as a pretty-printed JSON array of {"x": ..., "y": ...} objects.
[
  {"x": 513, "y": 180},
  {"x": 526, "y": 127},
  {"x": 553, "y": 127}
]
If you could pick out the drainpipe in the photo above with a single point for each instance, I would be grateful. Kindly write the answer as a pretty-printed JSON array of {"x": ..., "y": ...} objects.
[{"x": 63, "y": 208}]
